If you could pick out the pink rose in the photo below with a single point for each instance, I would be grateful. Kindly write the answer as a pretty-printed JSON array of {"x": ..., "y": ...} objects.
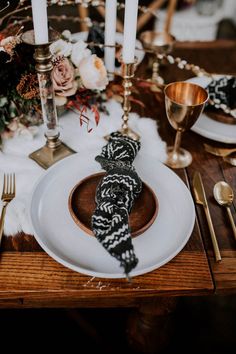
[{"x": 63, "y": 77}]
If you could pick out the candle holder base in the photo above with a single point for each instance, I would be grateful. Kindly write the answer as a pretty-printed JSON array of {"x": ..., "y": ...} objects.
[
  {"x": 54, "y": 150},
  {"x": 178, "y": 159},
  {"x": 130, "y": 133},
  {"x": 125, "y": 132}
]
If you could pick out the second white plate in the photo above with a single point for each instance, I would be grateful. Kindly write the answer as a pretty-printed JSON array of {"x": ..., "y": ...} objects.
[{"x": 209, "y": 128}]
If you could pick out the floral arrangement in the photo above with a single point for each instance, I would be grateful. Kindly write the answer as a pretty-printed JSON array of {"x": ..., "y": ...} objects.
[
  {"x": 75, "y": 68},
  {"x": 79, "y": 79}
]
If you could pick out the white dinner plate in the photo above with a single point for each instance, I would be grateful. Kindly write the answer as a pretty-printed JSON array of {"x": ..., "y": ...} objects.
[
  {"x": 119, "y": 40},
  {"x": 209, "y": 128},
  {"x": 63, "y": 240}
]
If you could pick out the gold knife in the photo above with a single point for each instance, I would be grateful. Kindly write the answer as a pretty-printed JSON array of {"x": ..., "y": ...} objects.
[{"x": 200, "y": 198}]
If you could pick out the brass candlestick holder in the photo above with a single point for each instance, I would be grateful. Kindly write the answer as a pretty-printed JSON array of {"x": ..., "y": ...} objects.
[
  {"x": 127, "y": 71},
  {"x": 54, "y": 149}
]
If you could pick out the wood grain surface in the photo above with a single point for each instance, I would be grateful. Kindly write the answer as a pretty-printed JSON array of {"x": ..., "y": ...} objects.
[{"x": 36, "y": 280}]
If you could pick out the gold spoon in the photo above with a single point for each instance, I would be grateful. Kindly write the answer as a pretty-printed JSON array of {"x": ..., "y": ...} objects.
[{"x": 224, "y": 195}]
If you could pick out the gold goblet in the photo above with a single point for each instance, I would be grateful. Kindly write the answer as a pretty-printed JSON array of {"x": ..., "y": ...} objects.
[
  {"x": 184, "y": 103},
  {"x": 161, "y": 43}
]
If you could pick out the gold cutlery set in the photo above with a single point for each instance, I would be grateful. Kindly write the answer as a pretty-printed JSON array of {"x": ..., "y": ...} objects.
[{"x": 224, "y": 196}]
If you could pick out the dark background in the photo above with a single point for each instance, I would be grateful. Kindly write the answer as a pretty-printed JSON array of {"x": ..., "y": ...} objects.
[{"x": 201, "y": 325}]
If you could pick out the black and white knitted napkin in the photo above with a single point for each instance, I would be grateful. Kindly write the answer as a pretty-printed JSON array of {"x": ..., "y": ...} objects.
[
  {"x": 223, "y": 91},
  {"x": 115, "y": 195}
]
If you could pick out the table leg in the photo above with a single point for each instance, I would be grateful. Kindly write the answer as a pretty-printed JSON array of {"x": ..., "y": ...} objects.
[{"x": 150, "y": 327}]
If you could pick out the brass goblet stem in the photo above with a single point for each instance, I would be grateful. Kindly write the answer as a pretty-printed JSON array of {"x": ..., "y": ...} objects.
[
  {"x": 175, "y": 151},
  {"x": 127, "y": 74},
  {"x": 177, "y": 143}
]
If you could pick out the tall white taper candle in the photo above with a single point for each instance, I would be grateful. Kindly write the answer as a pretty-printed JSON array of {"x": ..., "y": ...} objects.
[
  {"x": 110, "y": 34},
  {"x": 130, "y": 29},
  {"x": 40, "y": 21}
]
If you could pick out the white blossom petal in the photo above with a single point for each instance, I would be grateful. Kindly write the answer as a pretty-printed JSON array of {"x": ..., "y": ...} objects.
[
  {"x": 79, "y": 52},
  {"x": 93, "y": 73},
  {"x": 61, "y": 48}
]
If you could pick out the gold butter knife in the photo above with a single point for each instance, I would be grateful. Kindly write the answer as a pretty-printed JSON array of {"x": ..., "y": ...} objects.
[{"x": 200, "y": 198}]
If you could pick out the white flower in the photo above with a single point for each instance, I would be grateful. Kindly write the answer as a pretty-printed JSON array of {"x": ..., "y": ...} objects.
[
  {"x": 13, "y": 126},
  {"x": 60, "y": 100},
  {"x": 67, "y": 35},
  {"x": 27, "y": 132},
  {"x": 61, "y": 48},
  {"x": 16, "y": 128},
  {"x": 79, "y": 52},
  {"x": 93, "y": 73}
]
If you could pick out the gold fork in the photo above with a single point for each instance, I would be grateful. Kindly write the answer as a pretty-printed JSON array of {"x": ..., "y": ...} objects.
[
  {"x": 223, "y": 152},
  {"x": 8, "y": 193}
]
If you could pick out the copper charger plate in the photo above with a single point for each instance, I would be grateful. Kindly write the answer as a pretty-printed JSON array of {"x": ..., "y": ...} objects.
[{"x": 82, "y": 205}]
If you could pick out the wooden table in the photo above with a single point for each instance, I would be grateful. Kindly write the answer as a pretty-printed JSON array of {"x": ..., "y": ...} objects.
[{"x": 30, "y": 278}]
